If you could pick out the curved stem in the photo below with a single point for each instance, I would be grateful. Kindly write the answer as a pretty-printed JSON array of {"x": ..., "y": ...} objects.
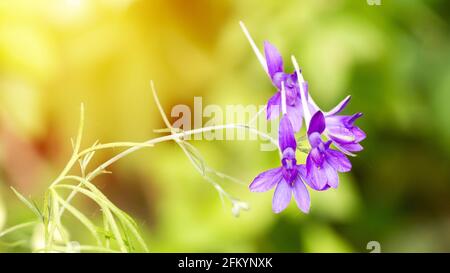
[
  {"x": 76, "y": 147},
  {"x": 175, "y": 137},
  {"x": 17, "y": 227},
  {"x": 113, "y": 145}
]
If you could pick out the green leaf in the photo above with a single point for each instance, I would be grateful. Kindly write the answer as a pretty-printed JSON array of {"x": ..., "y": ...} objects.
[
  {"x": 105, "y": 209},
  {"x": 80, "y": 216},
  {"x": 29, "y": 204}
]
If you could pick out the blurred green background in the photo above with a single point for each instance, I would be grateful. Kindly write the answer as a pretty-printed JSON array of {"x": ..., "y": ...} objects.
[{"x": 394, "y": 60}]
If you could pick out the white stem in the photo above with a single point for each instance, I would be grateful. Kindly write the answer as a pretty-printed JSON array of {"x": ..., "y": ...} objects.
[
  {"x": 258, "y": 54},
  {"x": 301, "y": 80},
  {"x": 283, "y": 99}
]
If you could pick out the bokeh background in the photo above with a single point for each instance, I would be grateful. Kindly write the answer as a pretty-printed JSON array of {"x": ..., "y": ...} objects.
[{"x": 394, "y": 60}]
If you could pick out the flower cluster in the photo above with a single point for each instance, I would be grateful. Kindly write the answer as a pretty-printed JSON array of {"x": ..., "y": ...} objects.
[{"x": 324, "y": 130}]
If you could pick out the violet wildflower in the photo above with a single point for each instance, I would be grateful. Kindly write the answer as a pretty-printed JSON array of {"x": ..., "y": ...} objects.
[
  {"x": 341, "y": 129},
  {"x": 279, "y": 78},
  {"x": 323, "y": 163},
  {"x": 288, "y": 178}
]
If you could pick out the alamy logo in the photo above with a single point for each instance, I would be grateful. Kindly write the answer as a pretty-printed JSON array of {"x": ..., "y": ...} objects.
[
  {"x": 245, "y": 122},
  {"x": 374, "y": 2},
  {"x": 374, "y": 246}
]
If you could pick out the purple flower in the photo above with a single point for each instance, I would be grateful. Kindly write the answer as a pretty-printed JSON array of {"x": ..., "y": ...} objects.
[
  {"x": 341, "y": 129},
  {"x": 288, "y": 178},
  {"x": 323, "y": 163},
  {"x": 293, "y": 102}
]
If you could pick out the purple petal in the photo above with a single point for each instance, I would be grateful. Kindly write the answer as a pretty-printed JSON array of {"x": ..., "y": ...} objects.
[
  {"x": 314, "y": 140},
  {"x": 359, "y": 134},
  {"x": 266, "y": 180},
  {"x": 286, "y": 137},
  {"x": 350, "y": 147},
  {"x": 301, "y": 195},
  {"x": 302, "y": 170},
  {"x": 273, "y": 59},
  {"x": 316, "y": 156},
  {"x": 317, "y": 123},
  {"x": 278, "y": 78},
  {"x": 281, "y": 197},
  {"x": 341, "y": 134},
  {"x": 331, "y": 175},
  {"x": 316, "y": 177},
  {"x": 295, "y": 114},
  {"x": 336, "y": 120},
  {"x": 309, "y": 164},
  {"x": 273, "y": 106},
  {"x": 303, "y": 174},
  {"x": 354, "y": 117},
  {"x": 338, "y": 108},
  {"x": 338, "y": 161}
]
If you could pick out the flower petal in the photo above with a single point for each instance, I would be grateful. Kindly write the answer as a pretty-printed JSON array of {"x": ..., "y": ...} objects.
[
  {"x": 286, "y": 137},
  {"x": 316, "y": 156},
  {"x": 281, "y": 197},
  {"x": 314, "y": 140},
  {"x": 316, "y": 177},
  {"x": 354, "y": 117},
  {"x": 341, "y": 134},
  {"x": 349, "y": 147},
  {"x": 295, "y": 114},
  {"x": 338, "y": 161},
  {"x": 302, "y": 170},
  {"x": 266, "y": 180},
  {"x": 273, "y": 106},
  {"x": 273, "y": 59},
  {"x": 359, "y": 134},
  {"x": 301, "y": 195},
  {"x": 338, "y": 108},
  {"x": 331, "y": 175},
  {"x": 317, "y": 123},
  {"x": 307, "y": 179}
]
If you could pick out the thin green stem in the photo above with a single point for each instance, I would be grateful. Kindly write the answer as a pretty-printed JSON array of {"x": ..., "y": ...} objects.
[
  {"x": 76, "y": 148},
  {"x": 175, "y": 137},
  {"x": 17, "y": 227}
]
